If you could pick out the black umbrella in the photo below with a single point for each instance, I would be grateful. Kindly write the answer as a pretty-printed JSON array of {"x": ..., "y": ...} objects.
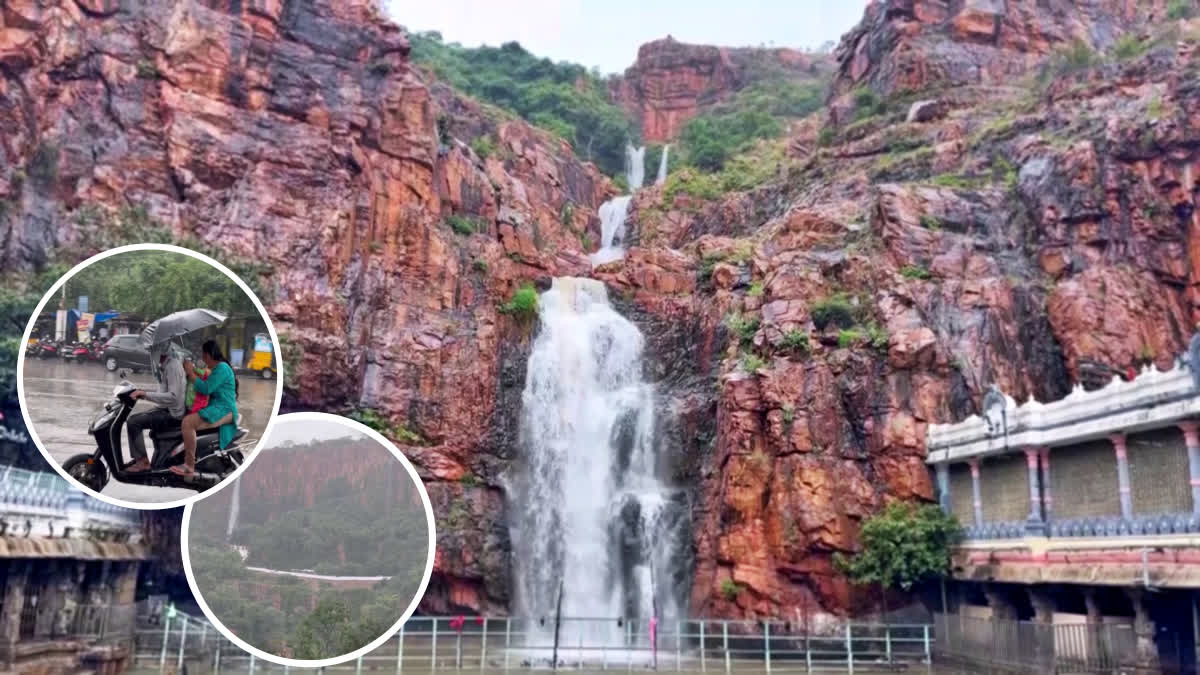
[{"x": 179, "y": 323}]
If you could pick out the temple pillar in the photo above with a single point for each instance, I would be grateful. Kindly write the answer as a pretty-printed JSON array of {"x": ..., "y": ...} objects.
[
  {"x": 1047, "y": 496},
  {"x": 943, "y": 483},
  {"x": 1043, "y": 633},
  {"x": 17, "y": 578},
  {"x": 121, "y": 608},
  {"x": 1034, "y": 524},
  {"x": 1118, "y": 441},
  {"x": 1143, "y": 630},
  {"x": 976, "y": 500},
  {"x": 1097, "y": 646},
  {"x": 1191, "y": 437},
  {"x": 997, "y": 599}
]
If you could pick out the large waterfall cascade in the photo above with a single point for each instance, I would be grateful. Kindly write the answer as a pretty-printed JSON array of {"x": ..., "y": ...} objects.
[{"x": 590, "y": 513}]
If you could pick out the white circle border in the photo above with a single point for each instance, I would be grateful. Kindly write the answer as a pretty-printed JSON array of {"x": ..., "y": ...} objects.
[
  {"x": 56, "y": 465},
  {"x": 387, "y": 634}
]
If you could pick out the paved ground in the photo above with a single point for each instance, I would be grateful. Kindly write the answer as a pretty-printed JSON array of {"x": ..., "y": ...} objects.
[{"x": 62, "y": 397}]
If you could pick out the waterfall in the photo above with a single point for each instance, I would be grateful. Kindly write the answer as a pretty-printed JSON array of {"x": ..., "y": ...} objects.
[
  {"x": 635, "y": 171},
  {"x": 589, "y": 510},
  {"x": 235, "y": 506},
  {"x": 662, "y": 166},
  {"x": 612, "y": 230}
]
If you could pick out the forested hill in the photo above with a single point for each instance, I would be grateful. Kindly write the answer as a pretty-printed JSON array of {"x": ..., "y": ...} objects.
[{"x": 724, "y": 100}]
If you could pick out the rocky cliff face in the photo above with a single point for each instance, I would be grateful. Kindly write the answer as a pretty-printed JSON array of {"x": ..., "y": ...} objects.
[
  {"x": 909, "y": 46},
  {"x": 671, "y": 81},
  {"x": 296, "y": 135},
  {"x": 802, "y": 334}
]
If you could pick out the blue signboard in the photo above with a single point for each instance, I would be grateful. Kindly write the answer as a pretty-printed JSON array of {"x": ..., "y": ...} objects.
[
  {"x": 262, "y": 343},
  {"x": 83, "y": 304}
]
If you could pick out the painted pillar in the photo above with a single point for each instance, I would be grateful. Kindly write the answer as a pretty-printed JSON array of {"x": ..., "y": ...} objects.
[
  {"x": 1047, "y": 496},
  {"x": 1191, "y": 435},
  {"x": 1118, "y": 441},
  {"x": 976, "y": 499},
  {"x": 943, "y": 481},
  {"x": 1143, "y": 629},
  {"x": 1035, "y": 524},
  {"x": 1002, "y": 607}
]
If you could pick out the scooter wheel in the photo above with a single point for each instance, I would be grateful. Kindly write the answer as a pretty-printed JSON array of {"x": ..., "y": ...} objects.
[
  {"x": 267, "y": 374},
  {"x": 87, "y": 470}
]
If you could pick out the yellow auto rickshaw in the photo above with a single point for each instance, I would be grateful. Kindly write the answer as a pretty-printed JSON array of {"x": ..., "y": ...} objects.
[{"x": 262, "y": 361}]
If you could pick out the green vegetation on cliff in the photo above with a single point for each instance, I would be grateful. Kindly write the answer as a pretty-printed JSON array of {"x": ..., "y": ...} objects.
[
  {"x": 902, "y": 546},
  {"x": 563, "y": 98}
]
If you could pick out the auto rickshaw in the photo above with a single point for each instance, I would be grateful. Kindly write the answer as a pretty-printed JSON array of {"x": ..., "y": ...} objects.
[{"x": 262, "y": 361}]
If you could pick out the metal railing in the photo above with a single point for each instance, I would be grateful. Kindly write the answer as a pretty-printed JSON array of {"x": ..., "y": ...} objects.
[
  {"x": 94, "y": 622},
  {"x": 1146, "y": 525},
  {"x": 1028, "y": 646},
  {"x": 501, "y": 644}
]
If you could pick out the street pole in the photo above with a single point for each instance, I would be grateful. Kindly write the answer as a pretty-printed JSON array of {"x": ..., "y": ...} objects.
[{"x": 557, "y": 621}]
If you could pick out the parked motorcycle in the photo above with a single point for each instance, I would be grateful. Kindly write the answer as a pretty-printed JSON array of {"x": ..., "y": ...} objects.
[
  {"x": 95, "y": 469},
  {"x": 74, "y": 351}
]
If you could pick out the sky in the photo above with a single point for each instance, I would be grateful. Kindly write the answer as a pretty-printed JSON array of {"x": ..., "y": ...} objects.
[
  {"x": 299, "y": 431},
  {"x": 607, "y": 34}
]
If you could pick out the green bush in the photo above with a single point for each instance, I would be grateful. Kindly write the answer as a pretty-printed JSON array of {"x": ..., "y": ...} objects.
[
  {"x": 867, "y": 104},
  {"x": 1180, "y": 9},
  {"x": 789, "y": 414},
  {"x": 1130, "y": 46},
  {"x": 878, "y": 336},
  {"x": 903, "y": 546},
  {"x": 826, "y": 137},
  {"x": 480, "y": 265},
  {"x": 834, "y": 310},
  {"x": 744, "y": 327},
  {"x": 931, "y": 222},
  {"x": 915, "y": 272},
  {"x": 464, "y": 225},
  {"x": 484, "y": 146},
  {"x": 756, "y": 289},
  {"x": 524, "y": 303},
  {"x": 752, "y": 363},
  {"x": 847, "y": 337},
  {"x": 146, "y": 70},
  {"x": 796, "y": 341},
  {"x": 730, "y": 589}
]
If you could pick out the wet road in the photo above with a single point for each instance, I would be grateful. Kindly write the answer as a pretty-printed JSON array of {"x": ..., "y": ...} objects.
[{"x": 62, "y": 397}]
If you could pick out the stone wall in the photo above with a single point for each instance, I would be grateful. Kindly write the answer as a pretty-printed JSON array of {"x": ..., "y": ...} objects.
[
  {"x": 1004, "y": 488},
  {"x": 1158, "y": 468}
]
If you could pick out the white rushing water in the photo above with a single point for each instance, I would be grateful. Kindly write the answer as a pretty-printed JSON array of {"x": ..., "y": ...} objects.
[
  {"x": 590, "y": 513},
  {"x": 662, "y": 166},
  {"x": 635, "y": 166},
  {"x": 612, "y": 230}
]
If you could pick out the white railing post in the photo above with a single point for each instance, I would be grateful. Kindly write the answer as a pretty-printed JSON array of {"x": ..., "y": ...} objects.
[
  {"x": 358, "y": 666},
  {"x": 507, "y": 640},
  {"x": 483, "y": 645},
  {"x": 162, "y": 655},
  {"x": 182, "y": 642},
  {"x": 928, "y": 656},
  {"x": 678, "y": 646},
  {"x": 433, "y": 654},
  {"x": 251, "y": 671},
  {"x": 703, "y": 663},
  {"x": 217, "y": 660},
  {"x": 849, "y": 648},
  {"x": 203, "y": 634},
  {"x": 400, "y": 650},
  {"x": 629, "y": 645},
  {"x": 767, "y": 643},
  {"x": 725, "y": 642},
  {"x": 887, "y": 641}
]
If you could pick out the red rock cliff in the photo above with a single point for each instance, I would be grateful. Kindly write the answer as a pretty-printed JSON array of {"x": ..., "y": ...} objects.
[{"x": 671, "y": 82}]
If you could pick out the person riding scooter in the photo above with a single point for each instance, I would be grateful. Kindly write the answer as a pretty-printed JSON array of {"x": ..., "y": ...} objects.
[{"x": 170, "y": 399}]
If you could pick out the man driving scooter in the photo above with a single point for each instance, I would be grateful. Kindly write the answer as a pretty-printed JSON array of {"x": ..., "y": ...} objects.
[{"x": 170, "y": 397}]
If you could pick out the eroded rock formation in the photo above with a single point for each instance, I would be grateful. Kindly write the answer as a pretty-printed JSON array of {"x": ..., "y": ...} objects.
[{"x": 671, "y": 81}]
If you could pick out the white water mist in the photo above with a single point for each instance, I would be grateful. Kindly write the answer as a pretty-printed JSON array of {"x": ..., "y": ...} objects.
[{"x": 662, "y": 166}]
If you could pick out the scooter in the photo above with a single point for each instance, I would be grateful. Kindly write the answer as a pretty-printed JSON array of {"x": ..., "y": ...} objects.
[
  {"x": 46, "y": 348},
  {"x": 75, "y": 351},
  {"x": 93, "y": 470}
]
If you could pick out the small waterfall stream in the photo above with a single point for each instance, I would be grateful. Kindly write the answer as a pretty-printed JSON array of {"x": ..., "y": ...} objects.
[
  {"x": 590, "y": 512},
  {"x": 614, "y": 211},
  {"x": 662, "y": 166},
  {"x": 235, "y": 507}
]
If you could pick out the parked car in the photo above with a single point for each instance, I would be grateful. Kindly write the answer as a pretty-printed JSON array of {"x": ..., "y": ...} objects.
[{"x": 125, "y": 351}]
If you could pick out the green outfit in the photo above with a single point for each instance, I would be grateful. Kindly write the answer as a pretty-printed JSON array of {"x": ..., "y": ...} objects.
[{"x": 219, "y": 387}]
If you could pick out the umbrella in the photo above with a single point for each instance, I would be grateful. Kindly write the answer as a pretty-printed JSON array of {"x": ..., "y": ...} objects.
[{"x": 179, "y": 323}]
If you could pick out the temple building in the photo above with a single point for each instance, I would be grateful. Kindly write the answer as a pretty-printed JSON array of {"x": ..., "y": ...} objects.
[
  {"x": 1082, "y": 522},
  {"x": 69, "y": 568}
]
